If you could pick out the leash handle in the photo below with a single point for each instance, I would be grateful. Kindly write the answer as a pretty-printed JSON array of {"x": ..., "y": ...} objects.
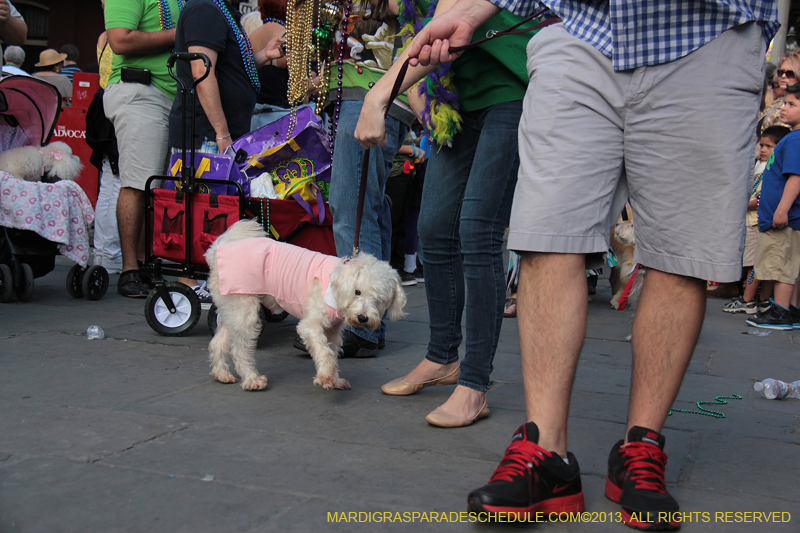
[{"x": 398, "y": 82}]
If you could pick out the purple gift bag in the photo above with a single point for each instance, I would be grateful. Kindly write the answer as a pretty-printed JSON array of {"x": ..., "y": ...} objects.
[
  {"x": 268, "y": 149},
  {"x": 210, "y": 166}
]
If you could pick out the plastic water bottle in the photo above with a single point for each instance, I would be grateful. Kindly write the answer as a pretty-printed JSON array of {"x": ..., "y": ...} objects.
[
  {"x": 775, "y": 389},
  {"x": 95, "y": 332}
]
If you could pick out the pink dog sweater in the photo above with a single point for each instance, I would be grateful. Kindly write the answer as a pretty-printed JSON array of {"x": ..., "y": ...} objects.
[{"x": 284, "y": 271}]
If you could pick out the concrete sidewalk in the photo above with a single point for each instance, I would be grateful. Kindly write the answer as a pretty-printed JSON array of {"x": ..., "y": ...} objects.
[{"x": 131, "y": 433}]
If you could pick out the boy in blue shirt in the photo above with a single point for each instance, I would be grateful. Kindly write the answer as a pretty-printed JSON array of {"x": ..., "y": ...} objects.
[{"x": 778, "y": 250}]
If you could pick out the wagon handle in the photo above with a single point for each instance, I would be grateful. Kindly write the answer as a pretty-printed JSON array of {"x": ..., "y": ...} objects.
[{"x": 188, "y": 56}]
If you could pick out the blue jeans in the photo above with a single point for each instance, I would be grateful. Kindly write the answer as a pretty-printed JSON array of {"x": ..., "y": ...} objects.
[
  {"x": 376, "y": 225},
  {"x": 466, "y": 205}
]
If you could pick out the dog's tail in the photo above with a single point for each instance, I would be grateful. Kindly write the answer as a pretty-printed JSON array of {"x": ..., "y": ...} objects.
[{"x": 244, "y": 229}]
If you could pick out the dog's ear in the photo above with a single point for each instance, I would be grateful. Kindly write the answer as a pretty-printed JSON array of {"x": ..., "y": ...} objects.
[{"x": 395, "y": 310}]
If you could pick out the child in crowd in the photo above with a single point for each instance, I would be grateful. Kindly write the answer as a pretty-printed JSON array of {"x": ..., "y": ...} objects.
[
  {"x": 747, "y": 303},
  {"x": 777, "y": 259}
]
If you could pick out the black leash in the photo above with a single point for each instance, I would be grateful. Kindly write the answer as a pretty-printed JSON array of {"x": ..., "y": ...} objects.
[{"x": 362, "y": 188}]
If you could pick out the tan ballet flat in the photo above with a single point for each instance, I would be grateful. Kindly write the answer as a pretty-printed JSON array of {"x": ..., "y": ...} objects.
[
  {"x": 443, "y": 419},
  {"x": 399, "y": 387}
]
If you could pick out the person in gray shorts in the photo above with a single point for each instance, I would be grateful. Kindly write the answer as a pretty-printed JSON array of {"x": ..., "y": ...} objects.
[{"x": 656, "y": 101}]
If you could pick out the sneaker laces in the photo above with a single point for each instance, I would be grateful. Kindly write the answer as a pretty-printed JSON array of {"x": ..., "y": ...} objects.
[
  {"x": 520, "y": 456},
  {"x": 645, "y": 464},
  {"x": 202, "y": 292}
]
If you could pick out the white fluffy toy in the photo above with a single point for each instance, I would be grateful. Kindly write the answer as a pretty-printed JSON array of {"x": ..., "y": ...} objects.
[{"x": 30, "y": 163}]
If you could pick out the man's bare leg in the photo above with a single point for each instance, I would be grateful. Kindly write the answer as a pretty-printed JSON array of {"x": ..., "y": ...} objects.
[
  {"x": 665, "y": 331},
  {"x": 130, "y": 218},
  {"x": 551, "y": 315}
]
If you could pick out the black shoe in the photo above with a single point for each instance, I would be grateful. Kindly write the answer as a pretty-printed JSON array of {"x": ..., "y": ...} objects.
[
  {"x": 530, "y": 480},
  {"x": 130, "y": 285},
  {"x": 355, "y": 346},
  {"x": 298, "y": 343},
  {"x": 636, "y": 481},
  {"x": 776, "y": 317},
  {"x": 419, "y": 275},
  {"x": 795, "y": 314},
  {"x": 591, "y": 283},
  {"x": 407, "y": 278}
]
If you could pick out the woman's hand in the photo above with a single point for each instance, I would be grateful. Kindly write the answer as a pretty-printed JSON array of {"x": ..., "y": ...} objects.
[
  {"x": 273, "y": 50},
  {"x": 371, "y": 127}
]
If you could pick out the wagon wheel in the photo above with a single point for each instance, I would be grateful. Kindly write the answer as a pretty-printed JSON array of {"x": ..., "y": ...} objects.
[{"x": 185, "y": 317}]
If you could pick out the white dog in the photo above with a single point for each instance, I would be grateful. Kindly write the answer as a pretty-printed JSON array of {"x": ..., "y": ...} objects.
[
  {"x": 326, "y": 293},
  {"x": 30, "y": 163}
]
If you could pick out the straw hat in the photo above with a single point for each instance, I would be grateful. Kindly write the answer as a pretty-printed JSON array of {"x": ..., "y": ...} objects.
[{"x": 50, "y": 57}]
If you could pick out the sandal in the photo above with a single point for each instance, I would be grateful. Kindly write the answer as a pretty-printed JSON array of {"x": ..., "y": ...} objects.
[
  {"x": 130, "y": 285},
  {"x": 510, "y": 310}
]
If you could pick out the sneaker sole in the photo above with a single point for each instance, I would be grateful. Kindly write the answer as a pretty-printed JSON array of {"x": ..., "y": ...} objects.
[
  {"x": 787, "y": 327},
  {"x": 737, "y": 311},
  {"x": 565, "y": 504},
  {"x": 408, "y": 283},
  {"x": 613, "y": 493}
]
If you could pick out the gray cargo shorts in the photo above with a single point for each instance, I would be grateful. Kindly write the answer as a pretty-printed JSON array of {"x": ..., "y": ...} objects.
[{"x": 676, "y": 138}]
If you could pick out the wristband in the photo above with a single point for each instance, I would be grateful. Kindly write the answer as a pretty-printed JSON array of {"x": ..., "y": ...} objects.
[{"x": 228, "y": 136}]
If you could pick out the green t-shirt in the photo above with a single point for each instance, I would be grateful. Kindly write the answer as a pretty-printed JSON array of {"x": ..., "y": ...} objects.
[
  {"x": 142, "y": 15},
  {"x": 496, "y": 71}
]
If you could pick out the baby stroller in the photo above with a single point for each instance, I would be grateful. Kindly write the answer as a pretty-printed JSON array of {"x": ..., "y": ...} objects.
[
  {"x": 181, "y": 224},
  {"x": 40, "y": 220}
]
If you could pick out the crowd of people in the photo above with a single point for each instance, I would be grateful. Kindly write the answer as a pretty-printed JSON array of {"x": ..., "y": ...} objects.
[
  {"x": 770, "y": 260},
  {"x": 546, "y": 134}
]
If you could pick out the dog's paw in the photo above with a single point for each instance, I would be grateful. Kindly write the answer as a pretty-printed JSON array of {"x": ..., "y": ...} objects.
[
  {"x": 256, "y": 383},
  {"x": 330, "y": 382},
  {"x": 224, "y": 377}
]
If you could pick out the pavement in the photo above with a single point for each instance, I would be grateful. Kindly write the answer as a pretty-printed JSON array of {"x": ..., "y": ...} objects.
[{"x": 131, "y": 434}]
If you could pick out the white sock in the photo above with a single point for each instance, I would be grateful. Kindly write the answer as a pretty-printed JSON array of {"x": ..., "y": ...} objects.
[
  {"x": 566, "y": 460},
  {"x": 410, "y": 263}
]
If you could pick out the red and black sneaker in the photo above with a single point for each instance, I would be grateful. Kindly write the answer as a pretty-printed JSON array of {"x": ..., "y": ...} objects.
[
  {"x": 636, "y": 481},
  {"x": 530, "y": 480}
]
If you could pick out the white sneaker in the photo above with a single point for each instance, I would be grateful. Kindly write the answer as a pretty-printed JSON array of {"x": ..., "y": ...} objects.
[
  {"x": 205, "y": 296},
  {"x": 737, "y": 305}
]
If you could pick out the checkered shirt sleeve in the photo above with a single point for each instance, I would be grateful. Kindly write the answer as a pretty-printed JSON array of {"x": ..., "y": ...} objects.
[{"x": 636, "y": 34}]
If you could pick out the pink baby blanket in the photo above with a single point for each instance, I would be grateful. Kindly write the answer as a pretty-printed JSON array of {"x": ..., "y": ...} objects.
[{"x": 60, "y": 212}]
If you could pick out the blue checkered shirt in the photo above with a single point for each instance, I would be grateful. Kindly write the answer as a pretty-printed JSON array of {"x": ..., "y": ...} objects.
[{"x": 639, "y": 33}]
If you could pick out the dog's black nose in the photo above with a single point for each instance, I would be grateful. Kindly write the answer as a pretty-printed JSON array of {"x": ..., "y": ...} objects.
[{"x": 362, "y": 319}]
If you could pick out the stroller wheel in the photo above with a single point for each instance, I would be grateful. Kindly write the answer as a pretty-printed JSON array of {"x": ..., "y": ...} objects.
[
  {"x": 95, "y": 282},
  {"x": 25, "y": 283},
  {"x": 213, "y": 319},
  {"x": 75, "y": 281},
  {"x": 6, "y": 284},
  {"x": 185, "y": 317}
]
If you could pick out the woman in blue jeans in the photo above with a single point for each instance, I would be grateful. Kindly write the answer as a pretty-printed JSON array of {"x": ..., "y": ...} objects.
[{"x": 466, "y": 204}]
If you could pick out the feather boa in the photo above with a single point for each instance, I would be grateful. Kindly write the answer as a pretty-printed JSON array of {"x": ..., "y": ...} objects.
[{"x": 440, "y": 118}]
